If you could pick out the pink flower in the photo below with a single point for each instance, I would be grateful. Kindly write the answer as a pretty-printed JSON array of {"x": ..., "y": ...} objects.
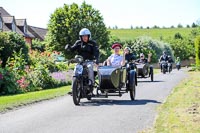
[{"x": 22, "y": 83}]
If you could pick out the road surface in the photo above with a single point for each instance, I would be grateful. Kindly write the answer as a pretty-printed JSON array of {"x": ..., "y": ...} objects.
[{"x": 112, "y": 115}]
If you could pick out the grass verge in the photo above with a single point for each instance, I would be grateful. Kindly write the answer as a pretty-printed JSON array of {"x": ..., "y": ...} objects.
[
  {"x": 181, "y": 112},
  {"x": 13, "y": 101},
  {"x": 156, "y": 71}
]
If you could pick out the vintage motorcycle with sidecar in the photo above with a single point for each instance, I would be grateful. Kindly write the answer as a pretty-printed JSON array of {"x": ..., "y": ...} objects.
[
  {"x": 144, "y": 70},
  {"x": 112, "y": 81}
]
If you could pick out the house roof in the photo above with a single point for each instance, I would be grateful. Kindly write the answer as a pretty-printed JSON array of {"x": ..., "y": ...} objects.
[
  {"x": 29, "y": 34},
  {"x": 8, "y": 19},
  {"x": 19, "y": 31},
  {"x": 5, "y": 28},
  {"x": 39, "y": 33},
  {"x": 33, "y": 32},
  {"x": 20, "y": 22},
  {"x": 3, "y": 12}
]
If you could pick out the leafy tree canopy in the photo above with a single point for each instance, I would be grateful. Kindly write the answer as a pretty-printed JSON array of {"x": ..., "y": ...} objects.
[{"x": 66, "y": 22}]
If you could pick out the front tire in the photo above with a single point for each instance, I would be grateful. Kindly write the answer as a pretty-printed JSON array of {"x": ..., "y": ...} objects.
[
  {"x": 132, "y": 92},
  {"x": 164, "y": 71},
  {"x": 131, "y": 84},
  {"x": 76, "y": 91}
]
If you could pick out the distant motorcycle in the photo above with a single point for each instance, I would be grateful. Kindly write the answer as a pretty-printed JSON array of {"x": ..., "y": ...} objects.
[
  {"x": 178, "y": 66},
  {"x": 164, "y": 65}
]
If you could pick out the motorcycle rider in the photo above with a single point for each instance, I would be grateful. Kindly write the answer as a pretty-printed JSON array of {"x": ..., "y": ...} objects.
[
  {"x": 143, "y": 60},
  {"x": 163, "y": 57},
  {"x": 116, "y": 59},
  {"x": 128, "y": 55},
  {"x": 178, "y": 62},
  {"x": 88, "y": 49},
  {"x": 170, "y": 61}
]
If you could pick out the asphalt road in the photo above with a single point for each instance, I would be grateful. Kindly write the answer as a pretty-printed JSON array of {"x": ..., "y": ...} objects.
[{"x": 112, "y": 115}]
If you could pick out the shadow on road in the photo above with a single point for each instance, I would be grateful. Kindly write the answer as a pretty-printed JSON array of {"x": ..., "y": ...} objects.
[{"x": 99, "y": 102}]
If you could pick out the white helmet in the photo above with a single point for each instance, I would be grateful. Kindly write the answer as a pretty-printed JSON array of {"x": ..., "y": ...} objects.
[{"x": 84, "y": 32}]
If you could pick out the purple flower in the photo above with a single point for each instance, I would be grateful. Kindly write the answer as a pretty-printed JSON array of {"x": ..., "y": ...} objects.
[{"x": 64, "y": 76}]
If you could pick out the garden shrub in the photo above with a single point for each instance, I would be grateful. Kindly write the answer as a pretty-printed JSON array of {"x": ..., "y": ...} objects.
[
  {"x": 147, "y": 45},
  {"x": 10, "y": 42},
  {"x": 38, "y": 45},
  {"x": 8, "y": 84}
]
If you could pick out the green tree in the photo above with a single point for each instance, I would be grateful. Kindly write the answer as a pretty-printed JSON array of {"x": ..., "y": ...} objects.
[
  {"x": 183, "y": 48},
  {"x": 172, "y": 26},
  {"x": 197, "y": 51},
  {"x": 179, "y": 26},
  {"x": 131, "y": 26},
  {"x": 116, "y": 27},
  {"x": 66, "y": 22},
  {"x": 155, "y": 27},
  {"x": 194, "y": 25},
  {"x": 188, "y": 26}
]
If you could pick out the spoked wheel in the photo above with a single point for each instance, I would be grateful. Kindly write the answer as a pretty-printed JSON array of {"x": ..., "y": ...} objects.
[
  {"x": 76, "y": 91},
  {"x": 151, "y": 74},
  {"x": 132, "y": 92}
]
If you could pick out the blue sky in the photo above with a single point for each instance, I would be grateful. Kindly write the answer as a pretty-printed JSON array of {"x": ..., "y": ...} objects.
[{"x": 122, "y": 13}]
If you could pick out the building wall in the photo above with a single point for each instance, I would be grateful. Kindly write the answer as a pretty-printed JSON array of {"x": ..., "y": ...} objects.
[{"x": 28, "y": 40}]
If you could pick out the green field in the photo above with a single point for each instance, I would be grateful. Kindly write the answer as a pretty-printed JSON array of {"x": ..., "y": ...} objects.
[{"x": 129, "y": 34}]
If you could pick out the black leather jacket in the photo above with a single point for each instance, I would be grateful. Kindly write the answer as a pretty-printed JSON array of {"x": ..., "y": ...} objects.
[
  {"x": 129, "y": 57},
  {"x": 164, "y": 58},
  {"x": 143, "y": 61},
  {"x": 89, "y": 51}
]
